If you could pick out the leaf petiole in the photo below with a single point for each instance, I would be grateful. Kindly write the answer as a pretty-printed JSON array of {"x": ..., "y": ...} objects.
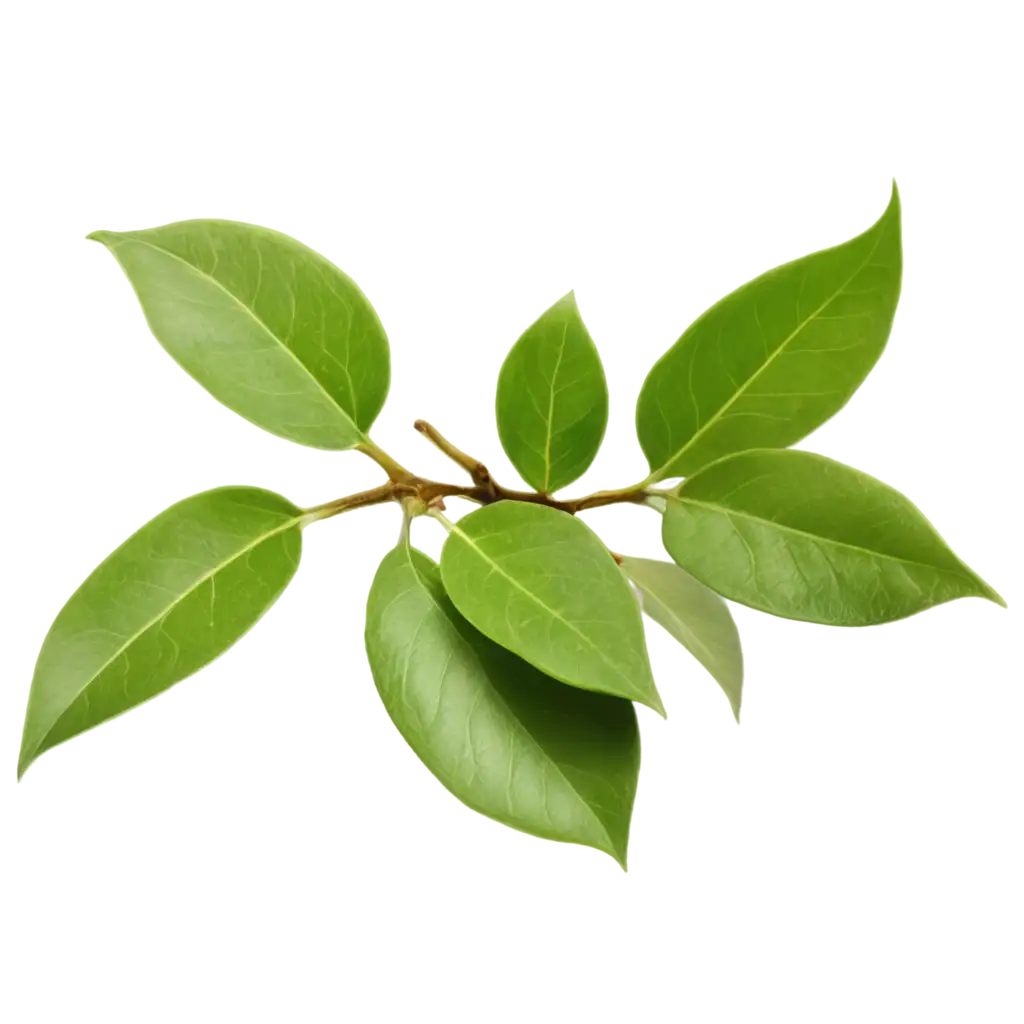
[{"x": 394, "y": 469}]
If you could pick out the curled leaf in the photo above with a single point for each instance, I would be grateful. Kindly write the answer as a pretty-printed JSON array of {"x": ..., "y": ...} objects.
[{"x": 697, "y": 617}]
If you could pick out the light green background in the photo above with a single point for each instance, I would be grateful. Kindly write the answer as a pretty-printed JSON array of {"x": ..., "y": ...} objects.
[{"x": 316, "y": 903}]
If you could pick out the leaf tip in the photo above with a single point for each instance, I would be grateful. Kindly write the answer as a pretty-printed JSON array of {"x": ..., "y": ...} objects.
[
  {"x": 893, "y": 216},
  {"x": 613, "y": 851},
  {"x": 25, "y": 760},
  {"x": 99, "y": 237},
  {"x": 1004, "y": 602},
  {"x": 614, "y": 847},
  {"x": 986, "y": 588},
  {"x": 567, "y": 300},
  {"x": 895, "y": 190}
]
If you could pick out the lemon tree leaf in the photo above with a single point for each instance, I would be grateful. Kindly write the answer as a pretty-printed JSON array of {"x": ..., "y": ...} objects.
[
  {"x": 552, "y": 404},
  {"x": 173, "y": 597},
  {"x": 697, "y": 617},
  {"x": 269, "y": 327},
  {"x": 539, "y": 582},
  {"x": 508, "y": 741},
  {"x": 804, "y": 537},
  {"x": 773, "y": 360}
]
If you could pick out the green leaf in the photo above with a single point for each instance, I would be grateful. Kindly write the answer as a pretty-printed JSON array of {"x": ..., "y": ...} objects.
[
  {"x": 801, "y": 536},
  {"x": 511, "y": 743},
  {"x": 541, "y": 583},
  {"x": 772, "y": 361},
  {"x": 698, "y": 618},
  {"x": 552, "y": 404},
  {"x": 267, "y": 326},
  {"x": 174, "y": 596}
]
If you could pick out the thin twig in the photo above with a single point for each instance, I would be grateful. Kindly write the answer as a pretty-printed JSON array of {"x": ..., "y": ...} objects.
[
  {"x": 477, "y": 471},
  {"x": 376, "y": 496},
  {"x": 404, "y": 485}
]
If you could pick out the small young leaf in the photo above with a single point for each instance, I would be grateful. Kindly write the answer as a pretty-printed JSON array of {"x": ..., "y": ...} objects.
[
  {"x": 173, "y": 597},
  {"x": 541, "y": 583},
  {"x": 552, "y": 404},
  {"x": 270, "y": 328},
  {"x": 801, "y": 536},
  {"x": 698, "y": 618},
  {"x": 509, "y": 742},
  {"x": 772, "y": 361}
]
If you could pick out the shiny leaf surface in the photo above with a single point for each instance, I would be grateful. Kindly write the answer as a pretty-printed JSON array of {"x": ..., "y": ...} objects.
[
  {"x": 516, "y": 745},
  {"x": 269, "y": 327},
  {"x": 541, "y": 583},
  {"x": 552, "y": 404},
  {"x": 174, "y": 596},
  {"x": 801, "y": 536},
  {"x": 773, "y": 360}
]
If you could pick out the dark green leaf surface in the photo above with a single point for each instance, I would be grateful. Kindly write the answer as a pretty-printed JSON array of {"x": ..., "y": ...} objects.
[
  {"x": 698, "y": 618},
  {"x": 174, "y": 596},
  {"x": 801, "y": 536},
  {"x": 541, "y": 583},
  {"x": 266, "y": 325},
  {"x": 514, "y": 744},
  {"x": 772, "y": 361},
  {"x": 552, "y": 404}
]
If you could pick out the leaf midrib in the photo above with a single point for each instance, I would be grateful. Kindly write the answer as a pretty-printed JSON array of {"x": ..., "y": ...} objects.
[
  {"x": 740, "y": 391},
  {"x": 287, "y": 525},
  {"x": 551, "y": 611},
  {"x": 551, "y": 409},
  {"x": 258, "y": 321},
  {"x": 818, "y": 538}
]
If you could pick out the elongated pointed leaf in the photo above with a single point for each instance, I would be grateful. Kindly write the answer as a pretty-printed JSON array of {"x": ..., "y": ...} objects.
[
  {"x": 269, "y": 327},
  {"x": 173, "y": 597},
  {"x": 801, "y": 536},
  {"x": 772, "y": 361},
  {"x": 541, "y": 583},
  {"x": 552, "y": 402},
  {"x": 511, "y": 743},
  {"x": 698, "y": 618}
]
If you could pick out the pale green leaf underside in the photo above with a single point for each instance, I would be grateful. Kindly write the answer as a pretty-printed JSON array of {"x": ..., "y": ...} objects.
[
  {"x": 173, "y": 597},
  {"x": 541, "y": 583},
  {"x": 695, "y": 616},
  {"x": 773, "y": 360},
  {"x": 269, "y": 327},
  {"x": 552, "y": 403},
  {"x": 509, "y": 742},
  {"x": 801, "y": 536}
]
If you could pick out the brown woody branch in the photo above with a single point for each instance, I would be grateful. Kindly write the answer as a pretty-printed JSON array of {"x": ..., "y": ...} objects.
[{"x": 484, "y": 490}]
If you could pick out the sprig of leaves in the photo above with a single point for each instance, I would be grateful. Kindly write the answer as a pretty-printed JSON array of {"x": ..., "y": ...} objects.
[{"x": 513, "y": 666}]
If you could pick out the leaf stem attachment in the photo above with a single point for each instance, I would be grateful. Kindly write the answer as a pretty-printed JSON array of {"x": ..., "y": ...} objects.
[{"x": 421, "y": 495}]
